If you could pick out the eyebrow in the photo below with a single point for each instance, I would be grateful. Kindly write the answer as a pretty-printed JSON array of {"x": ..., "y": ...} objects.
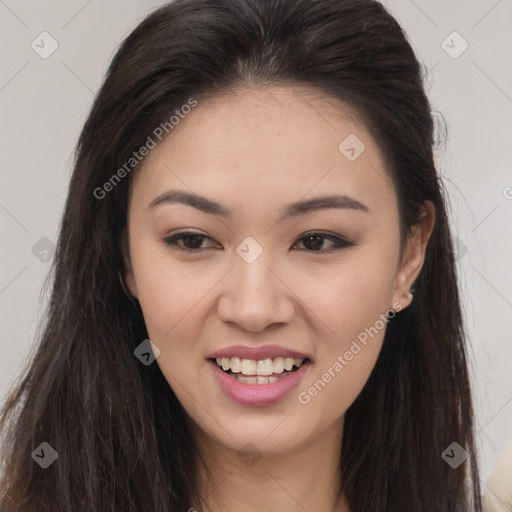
[{"x": 292, "y": 210}]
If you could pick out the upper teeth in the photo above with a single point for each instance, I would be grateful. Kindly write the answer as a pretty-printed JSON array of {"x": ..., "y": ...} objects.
[{"x": 261, "y": 367}]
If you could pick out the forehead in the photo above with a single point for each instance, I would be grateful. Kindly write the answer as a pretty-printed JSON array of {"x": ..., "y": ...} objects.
[{"x": 266, "y": 143}]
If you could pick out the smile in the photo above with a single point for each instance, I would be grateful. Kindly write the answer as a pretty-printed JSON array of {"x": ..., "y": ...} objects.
[
  {"x": 259, "y": 382},
  {"x": 263, "y": 371}
]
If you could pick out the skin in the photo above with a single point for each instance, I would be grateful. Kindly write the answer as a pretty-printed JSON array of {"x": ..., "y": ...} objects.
[{"x": 256, "y": 151}]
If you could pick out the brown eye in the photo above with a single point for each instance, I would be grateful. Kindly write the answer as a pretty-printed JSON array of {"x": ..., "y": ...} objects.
[
  {"x": 191, "y": 241},
  {"x": 314, "y": 242}
]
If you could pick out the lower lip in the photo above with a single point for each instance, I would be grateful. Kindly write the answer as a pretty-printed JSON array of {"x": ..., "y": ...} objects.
[{"x": 258, "y": 394}]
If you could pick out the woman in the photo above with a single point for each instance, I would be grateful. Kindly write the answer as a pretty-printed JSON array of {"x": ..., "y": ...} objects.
[{"x": 254, "y": 301}]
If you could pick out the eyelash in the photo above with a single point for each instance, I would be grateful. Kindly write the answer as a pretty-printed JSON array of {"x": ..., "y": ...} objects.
[{"x": 340, "y": 242}]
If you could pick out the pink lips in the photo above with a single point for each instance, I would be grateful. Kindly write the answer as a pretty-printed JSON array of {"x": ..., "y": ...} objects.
[
  {"x": 258, "y": 394},
  {"x": 257, "y": 353}
]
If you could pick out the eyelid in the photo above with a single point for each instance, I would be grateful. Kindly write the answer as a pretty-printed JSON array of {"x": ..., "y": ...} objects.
[
  {"x": 339, "y": 241},
  {"x": 168, "y": 241}
]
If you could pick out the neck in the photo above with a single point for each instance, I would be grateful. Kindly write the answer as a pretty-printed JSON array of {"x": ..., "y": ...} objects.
[{"x": 308, "y": 478}]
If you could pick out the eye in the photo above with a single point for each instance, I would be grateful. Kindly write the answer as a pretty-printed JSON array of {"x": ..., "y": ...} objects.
[
  {"x": 192, "y": 241},
  {"x": 314, "y": 242}
]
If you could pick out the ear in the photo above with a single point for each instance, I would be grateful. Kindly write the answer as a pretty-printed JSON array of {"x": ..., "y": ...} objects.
[
  {"x": 414, "y": 255},
  {"x": 129, "y": 277}
]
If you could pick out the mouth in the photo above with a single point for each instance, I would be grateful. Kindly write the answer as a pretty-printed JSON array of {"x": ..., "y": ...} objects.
[
  {"x": 259, "y": 376},
  {"x": 259, "y": 371}
]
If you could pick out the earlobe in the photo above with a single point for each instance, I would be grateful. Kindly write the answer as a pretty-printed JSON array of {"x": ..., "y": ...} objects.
[
  {"x": 414, "y": 256},
  {"x": 129, "y": 279},
  {"x": 128, "y": 282}
]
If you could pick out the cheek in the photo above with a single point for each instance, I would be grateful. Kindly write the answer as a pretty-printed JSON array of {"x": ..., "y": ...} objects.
[
  {"x": 171, "y": 299},
  {"x": 338, "y": 381},
  {"x": 352, "y": 319},
  {"x": 347, "y": 351},
  {"x": 352, "y": 294},
  {"x": 168, "y": 291}
]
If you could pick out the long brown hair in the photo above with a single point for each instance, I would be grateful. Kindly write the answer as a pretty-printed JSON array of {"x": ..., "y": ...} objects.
[{"x": 117, "y": 427}]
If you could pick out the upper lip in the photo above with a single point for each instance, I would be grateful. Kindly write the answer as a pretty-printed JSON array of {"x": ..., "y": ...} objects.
[{"x": 257, "y": 353}]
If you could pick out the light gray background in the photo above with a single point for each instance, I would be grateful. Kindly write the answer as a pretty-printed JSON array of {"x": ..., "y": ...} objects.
[{"x": 44, "y": 103}]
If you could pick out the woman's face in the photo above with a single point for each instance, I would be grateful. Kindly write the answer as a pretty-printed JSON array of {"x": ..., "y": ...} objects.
[{"x": 289, "y": 256}]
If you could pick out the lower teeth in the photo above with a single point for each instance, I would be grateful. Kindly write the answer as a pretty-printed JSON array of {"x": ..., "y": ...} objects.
[
  {"x": 253, "y": 379},
  {"x": 257, "y": 379}
]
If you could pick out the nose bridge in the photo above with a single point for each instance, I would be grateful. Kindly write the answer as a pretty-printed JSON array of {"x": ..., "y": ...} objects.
[
  {"x": 255, "y": 278},
  {"x": 253, "y": 295},
  {"x": 252, "y": 261}
]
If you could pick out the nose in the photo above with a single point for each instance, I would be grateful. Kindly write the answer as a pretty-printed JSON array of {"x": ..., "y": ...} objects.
[{"x": 254, "y": 296}]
